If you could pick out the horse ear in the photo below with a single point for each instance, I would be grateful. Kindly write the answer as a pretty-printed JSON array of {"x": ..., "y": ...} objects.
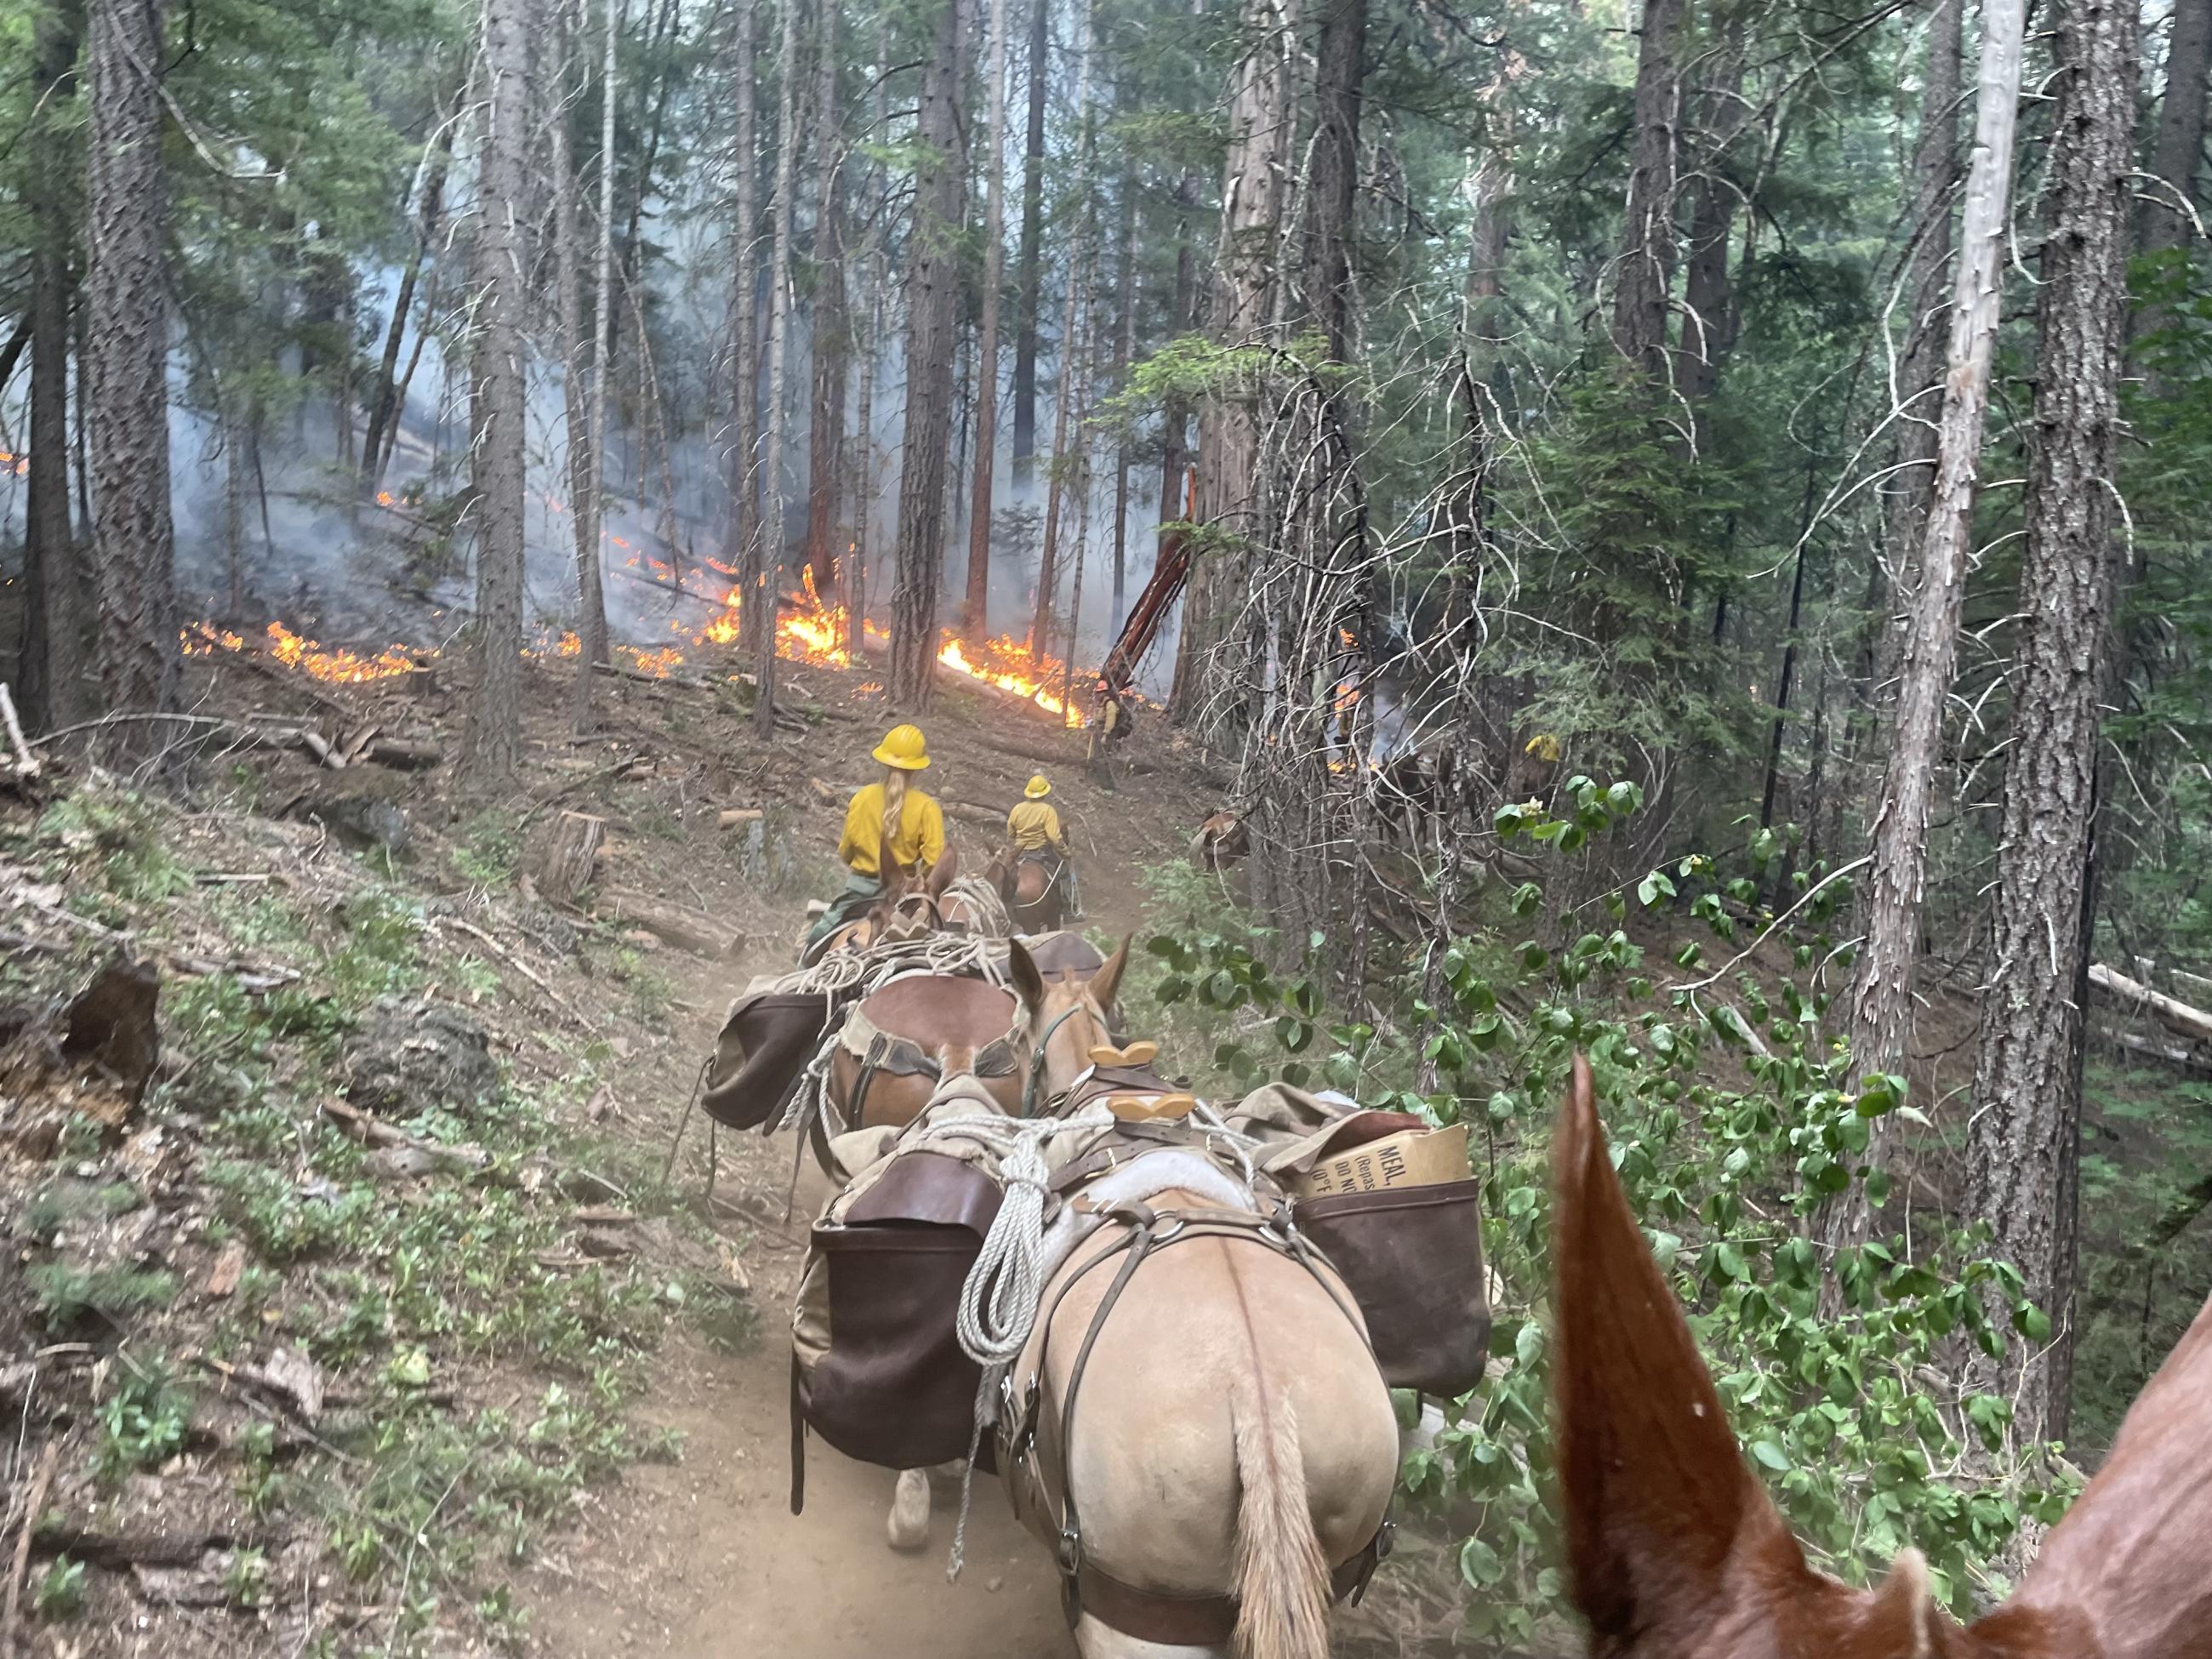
[
  {"x": 2129, "y": 1560},
  {"x": 1106, "y": 984},
  {"x": 1656, "y": 1492},
  {"x": 1029, "y": 981},
  {"x": 941, "y": 876}
]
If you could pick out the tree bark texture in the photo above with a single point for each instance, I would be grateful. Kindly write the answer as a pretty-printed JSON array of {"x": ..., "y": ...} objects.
[
  {"x": 48, "y": 688},
  {"x": 2177, "y": 152},
  {"x": 975, "y": 612},
  {"x": 933, "y": 289},
  {"x": 575, "y": 395},
  {"x": 590, "y": 504},
  {"x": 491, "y": 742},
  {"x": 1175, "y": 416},
  {"x": 2024, "y": 1142},
  {"x": 1125, "y": 350},
  {"x": 1647, "y": 254},
  {"x": 1920, "y": 370},
  {"x": 1261, "y": 130},
  {"x": 126, "y": 358},
  {"x": 1331, "y": 203},
  {"x": 763, "y": 599},
  {"x": 1074, "y": 343},
  {"x": 832, "y": 330},
  {"x": 1030, "y": 271},
  {"x": 1880, "y": 994},
  {"x": 1709, "y": 298},
  {"x": 742, "y": 553}
]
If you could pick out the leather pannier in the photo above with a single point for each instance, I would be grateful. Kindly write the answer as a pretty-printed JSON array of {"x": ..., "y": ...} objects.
[
  {"x": 763, "y": 1048},
  {"x": 1412, "y": 1257},
  {"x": 891, "y": 1385}
]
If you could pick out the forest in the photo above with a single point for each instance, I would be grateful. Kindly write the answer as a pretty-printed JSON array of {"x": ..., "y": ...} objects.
[{"x": 1666, "y": 530}]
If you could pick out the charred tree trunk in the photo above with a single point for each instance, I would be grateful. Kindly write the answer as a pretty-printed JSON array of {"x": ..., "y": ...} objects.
[
  {"x": 591, "y": 505},
  {"x": 1647, "y": 254},
  {"x": 1881, "y": 995},
  {"x": 491, "y": 742},
  {"x": 1029, "y": 272},
  {"x": 932, "y": 287},
  {"x": 975, "y": 613},
  {"x": 126, "y": 336},
  {"x": 2025, "y": 1141},
  {"x": 1261, "y": 131},
  {"x": 47, "y": 665},
  {"x": 832, "y": 331},
  {"x": 742, "y": 553},
  {"x": 763, "y": 599}
]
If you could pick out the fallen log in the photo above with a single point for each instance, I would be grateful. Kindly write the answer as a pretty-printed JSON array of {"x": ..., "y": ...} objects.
[
  {"x": 2187, "y": 1056},
  {"x": 2172, "y": 1013},
  {"x": 405, "y": 754},
  {"x": 683, "y": 930}
]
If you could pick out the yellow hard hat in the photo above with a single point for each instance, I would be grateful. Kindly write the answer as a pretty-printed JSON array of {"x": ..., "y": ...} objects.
[
  {"x": 1038, "y": 789},
  {"x": 904, "y": 747}
]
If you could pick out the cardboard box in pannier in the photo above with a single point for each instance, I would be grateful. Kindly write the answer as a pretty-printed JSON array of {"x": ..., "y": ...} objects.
[{"x": 1412, "y": 1157}]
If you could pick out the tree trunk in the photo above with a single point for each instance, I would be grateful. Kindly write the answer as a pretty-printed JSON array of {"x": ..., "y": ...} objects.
[
  {"x": 1880, "y": 996},
  {"x": 1261, "y": 130},
  {"x": 48, "y": 672},
  {"x": 1175, "y": 416},
  {"x": 932, "y": 287},
  {"x": 1339, "y": 71},
  {"x": 590, "y": 504},
  {"x": 492, "y": 740},
  {"x": 575, "y": 395},
  {"x": 1647, "y": 254},
  {"x": 769, "y": 590},
  {"x": 1709, "y": 299},
  {"x": 1028, "y": 279},
  {"x": 1071, "y": 348},
  {"x": 2177, "y": 155},
  {"x": 2024, "y": 1142},
  {"x": 742, "y": 552},
  {"x": 126, "y": 335},
  {"x": 864, "y": 481},
  {"x": 975, "y": 613},
  {"x": 385, "y": 408},
  {"x": 825, "y": 437},
  {"x": 1920, "y": 372},
  {"x": 1125, "y": 350}
]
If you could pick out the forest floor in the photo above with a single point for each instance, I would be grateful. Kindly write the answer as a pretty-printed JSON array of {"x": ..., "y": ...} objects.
[{"x": 373, "y": 1326}]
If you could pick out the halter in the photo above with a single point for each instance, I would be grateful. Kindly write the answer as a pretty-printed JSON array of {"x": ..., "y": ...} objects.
[{"x": 1032, "y": 1085}]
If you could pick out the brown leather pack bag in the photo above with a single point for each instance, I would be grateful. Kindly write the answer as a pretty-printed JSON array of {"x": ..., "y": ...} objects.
[{"x": 1410, "y": 1256}]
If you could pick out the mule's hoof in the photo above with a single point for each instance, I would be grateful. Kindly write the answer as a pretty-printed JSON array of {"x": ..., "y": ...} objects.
[{"x": 909, "y": 1528}]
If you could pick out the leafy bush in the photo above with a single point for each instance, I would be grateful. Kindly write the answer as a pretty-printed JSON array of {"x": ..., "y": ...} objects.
[{"x": 1730, "y": 1117}]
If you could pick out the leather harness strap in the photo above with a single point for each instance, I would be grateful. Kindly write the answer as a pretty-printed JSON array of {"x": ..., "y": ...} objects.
[{"x": 1163, "y": 1617}]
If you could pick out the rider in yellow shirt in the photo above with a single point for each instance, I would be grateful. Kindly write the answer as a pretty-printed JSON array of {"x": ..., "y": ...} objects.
[
  {"x": 1034, "y": 829},
  {"x": 889, "y": 810}
]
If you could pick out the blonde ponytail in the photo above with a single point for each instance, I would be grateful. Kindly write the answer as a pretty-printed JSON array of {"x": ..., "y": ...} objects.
[{"x": 894, "y": 802}]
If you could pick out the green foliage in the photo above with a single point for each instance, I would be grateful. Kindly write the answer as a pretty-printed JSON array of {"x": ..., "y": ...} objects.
[
  {"x": 487, "y": 851},
  {"x": 1731, "y": 1115},
  {"x": 60, "y": 1591},
  {"x": 67, "y": 1295},
  {"x": 142, "y": 1422}
]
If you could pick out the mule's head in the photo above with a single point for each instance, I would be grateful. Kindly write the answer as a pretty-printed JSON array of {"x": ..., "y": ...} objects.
[
  {"x": 908, "y": 895},
  {"x": 1069, "y": 1015},
  {"x": 1677, "y": 1553}
]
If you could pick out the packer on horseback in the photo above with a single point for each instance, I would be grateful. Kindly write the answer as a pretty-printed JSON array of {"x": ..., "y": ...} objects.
[
  {"x": 1036, "y": 870},
  {"x": 889, "y": 820}
]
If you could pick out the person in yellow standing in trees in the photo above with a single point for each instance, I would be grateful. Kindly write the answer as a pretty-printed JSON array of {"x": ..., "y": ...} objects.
[
  {"x": 1034, "y": 829},
  {"x": 889, "y": 811}
]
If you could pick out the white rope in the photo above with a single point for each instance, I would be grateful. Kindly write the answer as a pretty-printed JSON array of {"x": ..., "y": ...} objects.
[{"x": 986, "y": 903}]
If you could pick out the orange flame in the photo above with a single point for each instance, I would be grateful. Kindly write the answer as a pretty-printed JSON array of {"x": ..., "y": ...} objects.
[{"x": 18, "y": 464}]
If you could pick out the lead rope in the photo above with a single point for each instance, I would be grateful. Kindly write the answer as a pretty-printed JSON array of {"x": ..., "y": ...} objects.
[{"x": 999, "y": 1299}]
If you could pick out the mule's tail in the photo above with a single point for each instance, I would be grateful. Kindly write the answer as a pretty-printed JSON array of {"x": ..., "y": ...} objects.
[{"x": 1282, "y": 1582}]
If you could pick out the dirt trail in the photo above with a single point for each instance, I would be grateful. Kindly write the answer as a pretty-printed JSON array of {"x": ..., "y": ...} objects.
[{"x": 703, "y": 1559}]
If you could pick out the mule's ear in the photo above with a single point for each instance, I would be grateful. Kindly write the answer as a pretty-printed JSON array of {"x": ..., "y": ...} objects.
[
  {"x": 2130, "y": 1560},
  {"x": 1029, "y": 981},
  {"x": 942, "y": 875},
  {"x": 1106, "y": 984},
  {"x": 1656, "y": 1492}
]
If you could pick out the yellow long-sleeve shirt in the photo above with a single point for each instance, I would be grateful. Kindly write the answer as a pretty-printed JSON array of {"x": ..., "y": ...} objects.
[
  {"x": 1034, "y": 825},
  {"x": 920, "y": 838}
]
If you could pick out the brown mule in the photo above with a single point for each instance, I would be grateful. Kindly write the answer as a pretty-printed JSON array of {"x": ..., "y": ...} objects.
[
  {"x": 1036, "y": 899},
  {"x": 931, "y": 1026},
  {"x": 1677, "y": 1553}
]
